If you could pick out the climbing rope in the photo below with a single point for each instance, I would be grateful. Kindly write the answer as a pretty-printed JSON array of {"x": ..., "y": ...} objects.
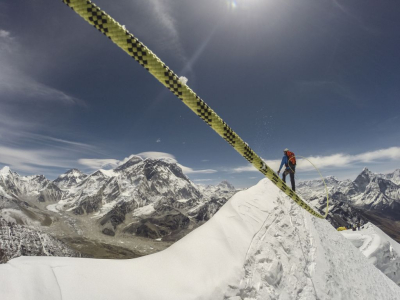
[
  {"x": 147, "y": 59},
  {"x": 323, "y": 180}
]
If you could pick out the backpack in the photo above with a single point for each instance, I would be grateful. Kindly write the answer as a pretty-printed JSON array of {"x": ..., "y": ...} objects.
[{"x": 291, "y": 158}]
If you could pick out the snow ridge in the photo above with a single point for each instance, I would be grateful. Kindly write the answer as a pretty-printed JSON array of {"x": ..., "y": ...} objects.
[
  {"x": 378, "y": 248},
  {"x": 258, "y": 246}
]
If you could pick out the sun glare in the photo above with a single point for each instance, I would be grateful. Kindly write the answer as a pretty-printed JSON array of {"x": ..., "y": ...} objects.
[{"x": 233, "y": 4}]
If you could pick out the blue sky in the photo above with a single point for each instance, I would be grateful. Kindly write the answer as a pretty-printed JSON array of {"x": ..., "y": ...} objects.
[{"x": 316, "y": 76}]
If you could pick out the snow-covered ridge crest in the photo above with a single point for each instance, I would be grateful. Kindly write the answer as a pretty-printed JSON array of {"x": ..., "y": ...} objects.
[
  {"x": 379, "y": 248},
  {"x": 259, "y": 245}
]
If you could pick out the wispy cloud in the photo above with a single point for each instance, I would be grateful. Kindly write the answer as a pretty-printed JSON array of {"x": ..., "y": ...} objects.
[
  {"x": 43, "y": 154},
  {"x": 248, "y": 168},
  {"x": 21, "y": 146},
  {"x": 82, "y": 145},
  {"x": 7, "y": 43},
  {"x": 53, "y": 142},
  {"x": 15, "y": 82},
  {"x": 29, "y": 152},
  {"x": 164, "y": 16},
  {"x": 95, "y": 164},
  {"x": 188, "y": 170},
  {"x": 33, "y": 160},
  {"x": 338, "y": 161},
  {"x": 18, "y": 84},
  {"x": 4, "y": 34},
  {"x": 202, "y": 180}
]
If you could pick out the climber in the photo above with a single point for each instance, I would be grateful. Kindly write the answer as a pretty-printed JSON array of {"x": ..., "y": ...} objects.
[{"x": 289, "y": 160}]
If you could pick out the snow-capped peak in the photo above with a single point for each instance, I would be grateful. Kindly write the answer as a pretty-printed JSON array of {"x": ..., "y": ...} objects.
[
  {"x": 5, "y": 171},
  {"x": 394, "y": 177},
  {"x": 225, "y": 185},
  {"x": 70, "y": 178},
  {"x": 331, "y": 178},
  {"x": 98, "y": 173},
  {"x": 131, "y": 161},
  {"x": 72, "y": 173},
  {"x": 366, "y": 171}
]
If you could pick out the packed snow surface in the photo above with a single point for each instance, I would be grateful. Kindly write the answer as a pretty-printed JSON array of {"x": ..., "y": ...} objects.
[
  {"x": 379, "y": 248},
  {"x": 260, "y": 245}
]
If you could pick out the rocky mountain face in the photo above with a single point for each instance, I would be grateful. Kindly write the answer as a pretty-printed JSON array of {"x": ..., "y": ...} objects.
[
  {"x": 19, "y": 240},
  {"x": 394, "y": 177},
  {"x": 15, "y": 185},
  {"x": 149, "y": 198},
  {"x": 370, "y": 197},
  {"x": 69, "y": 179}
]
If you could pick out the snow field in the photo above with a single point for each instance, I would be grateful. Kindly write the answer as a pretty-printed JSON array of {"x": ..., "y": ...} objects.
[{"x": 378, "y": 248}]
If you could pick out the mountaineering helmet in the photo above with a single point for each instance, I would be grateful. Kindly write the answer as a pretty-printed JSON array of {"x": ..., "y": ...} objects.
[{"x": 286, "y": 149}]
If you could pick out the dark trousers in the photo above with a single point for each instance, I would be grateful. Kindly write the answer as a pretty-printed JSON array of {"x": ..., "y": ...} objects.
[{"x": 284, "y": 174}]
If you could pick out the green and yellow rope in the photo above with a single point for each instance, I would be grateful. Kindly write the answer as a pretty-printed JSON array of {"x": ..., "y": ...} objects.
[
  {"x": 323, "y": 180},
  {"x": 131, "y": 45}
]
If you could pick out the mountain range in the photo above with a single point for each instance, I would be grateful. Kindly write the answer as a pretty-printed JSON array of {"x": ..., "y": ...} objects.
[
  {"x": 139, "y": 200},
  {"x": 370, "y": 197},
  {"x": 148, "y": 204}
]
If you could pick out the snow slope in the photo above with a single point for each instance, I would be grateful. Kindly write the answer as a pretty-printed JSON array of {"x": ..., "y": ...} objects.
[
  {"x": 379, "y": 248},
  {"x": 260, "y": 245}
]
